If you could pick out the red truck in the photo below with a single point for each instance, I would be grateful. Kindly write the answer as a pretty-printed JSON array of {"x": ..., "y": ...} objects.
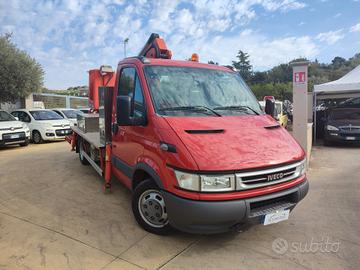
[{"x": 191, "y": 142}]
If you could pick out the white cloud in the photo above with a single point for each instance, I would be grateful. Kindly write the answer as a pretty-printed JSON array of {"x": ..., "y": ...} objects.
[
  {"x": 284, "y": 5},
  {"x": 355, "y": 28},
  {"x": 264, "y": 52},
  {"x": 330, "y": 37},
  {"x": 69, "y": 37}
]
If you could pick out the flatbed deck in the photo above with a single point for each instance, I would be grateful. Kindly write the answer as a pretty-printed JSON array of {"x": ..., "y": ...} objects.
[{"x": 91, "y": 137}]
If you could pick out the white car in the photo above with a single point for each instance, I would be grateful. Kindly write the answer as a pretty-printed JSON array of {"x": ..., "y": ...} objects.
[
  {"x": 44, "y": 125},
  {"x": 13, "y": 131},
  {"x": 69, "y": 114}
]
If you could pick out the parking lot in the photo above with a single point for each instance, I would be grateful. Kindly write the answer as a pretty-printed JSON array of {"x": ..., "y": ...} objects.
[{"x": 54, "y": 215}]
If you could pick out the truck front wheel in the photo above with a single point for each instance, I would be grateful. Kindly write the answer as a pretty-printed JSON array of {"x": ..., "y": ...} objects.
[{"x": 149, "y": 208}]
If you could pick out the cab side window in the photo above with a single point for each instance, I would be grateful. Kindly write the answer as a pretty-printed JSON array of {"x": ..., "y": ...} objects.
[
  {"x": 127, "y": 82},
  {"x": 129, "y": 85}
]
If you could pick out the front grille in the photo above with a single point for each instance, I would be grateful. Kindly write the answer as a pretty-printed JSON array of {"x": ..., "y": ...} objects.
[
  {"x": 63, "y": 132},
  {"x": 350, "y": 134},
  {"x": 350, "y": 128},
  {"x": 265, "y": 177},
  {"x": 278, "y": 200}
]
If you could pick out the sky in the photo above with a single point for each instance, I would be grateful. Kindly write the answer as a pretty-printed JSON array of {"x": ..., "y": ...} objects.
[{"x": 70, "y": 37}]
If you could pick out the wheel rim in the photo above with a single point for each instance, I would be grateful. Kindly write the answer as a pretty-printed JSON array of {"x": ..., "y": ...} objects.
[
  {"x": 152, "y": 208},
  {"x": 36, "y": 137}
]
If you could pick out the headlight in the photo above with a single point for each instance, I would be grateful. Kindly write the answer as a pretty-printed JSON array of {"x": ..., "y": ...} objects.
[
  {"x": 329, "y": 127},
  {"x": 301, "y": 169},
  {"x": 205, "y": 183},
  {"x": 217, "y": 183}
]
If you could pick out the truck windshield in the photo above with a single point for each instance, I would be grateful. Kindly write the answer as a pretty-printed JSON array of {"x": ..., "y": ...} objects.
[
  {"x": 187, "y": 91},
  {"x": 45, "y": 115},
  {"x": 4, "y": 116},
  {"x": 345, "y": 114}
]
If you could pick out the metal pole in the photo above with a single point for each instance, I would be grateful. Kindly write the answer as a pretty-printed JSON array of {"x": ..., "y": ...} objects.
[
  {"x": 126, "y": 40},
  {"x": 314, "y": 109}
]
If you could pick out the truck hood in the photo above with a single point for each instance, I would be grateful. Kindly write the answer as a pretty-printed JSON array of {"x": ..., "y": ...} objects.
[
  {"x": 235, "y": 142},
  {"x": 10, "y": 124}
]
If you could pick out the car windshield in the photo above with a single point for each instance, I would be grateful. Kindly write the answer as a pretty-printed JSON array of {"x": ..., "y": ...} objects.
[
  {"x": 185, "y": 91},
  {"x": 71, "y": 113},
  {"x": 45, "y": 115},
  {"x": 348, "y": 114},
  {"x": 4, "y": 116}
]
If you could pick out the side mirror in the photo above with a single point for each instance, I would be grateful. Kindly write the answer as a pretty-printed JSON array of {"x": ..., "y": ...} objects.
[
  {"x": 17, "y": 118},
  {"x": 270, "y": 107},
  {"x": 123, "y": 113},
  {"x": 123, "y": 110}
]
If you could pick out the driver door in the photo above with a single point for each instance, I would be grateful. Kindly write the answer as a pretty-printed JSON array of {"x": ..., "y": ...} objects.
[{"x": 128, "y": 141}]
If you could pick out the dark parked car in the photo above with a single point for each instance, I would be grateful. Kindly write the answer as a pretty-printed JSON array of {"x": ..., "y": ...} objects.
[
  {"x": 343, "y": 125},
  {"x": 351, "y": 102}
]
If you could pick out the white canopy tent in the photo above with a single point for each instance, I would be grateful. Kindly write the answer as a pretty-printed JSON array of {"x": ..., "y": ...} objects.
[{"x": 347, "y": 86}]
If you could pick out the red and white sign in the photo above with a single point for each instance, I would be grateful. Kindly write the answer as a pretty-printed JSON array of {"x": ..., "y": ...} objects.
[{"x": 299, "y": 77}]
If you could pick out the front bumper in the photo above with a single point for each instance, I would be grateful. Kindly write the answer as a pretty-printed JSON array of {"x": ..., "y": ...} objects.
[
  {"x": 14, "y": 138},
  {"x": 341, "y": 136},
  {"x": 207, "y": 217},
  {"x": 56, "y": 135}
]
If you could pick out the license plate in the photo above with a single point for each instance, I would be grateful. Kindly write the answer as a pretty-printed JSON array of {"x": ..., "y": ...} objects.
[
  {"x": 15, "y": 136},
  {"x": 350, "y": 138},
  {"x": 276, "y": 217}
]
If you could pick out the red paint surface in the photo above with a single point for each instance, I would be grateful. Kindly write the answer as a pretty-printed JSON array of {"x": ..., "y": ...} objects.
[{"x": 96, "y": 79}]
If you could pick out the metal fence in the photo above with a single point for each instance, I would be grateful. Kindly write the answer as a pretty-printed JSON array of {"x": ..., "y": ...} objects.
[{"x": 61, "y": 101}]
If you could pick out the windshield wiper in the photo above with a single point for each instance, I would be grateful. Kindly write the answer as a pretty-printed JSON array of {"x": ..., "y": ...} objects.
[
  {"x": 190, "y": 108},
  {"x": 240, "y": 108}
]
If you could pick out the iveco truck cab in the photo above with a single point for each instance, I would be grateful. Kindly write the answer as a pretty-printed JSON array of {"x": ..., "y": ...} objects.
[{"x": 192, "y": 143}]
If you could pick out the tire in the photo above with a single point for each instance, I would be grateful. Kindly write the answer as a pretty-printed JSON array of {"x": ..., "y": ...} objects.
[
  {"x": 82, "y": 159},
  {"x": 149, "y": 208},
  {"x": 26, "y": 143},
  {"x": 37, "y": 137}
]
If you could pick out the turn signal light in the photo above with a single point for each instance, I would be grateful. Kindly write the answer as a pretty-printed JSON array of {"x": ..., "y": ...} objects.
[{"x": 195, "y": 57}]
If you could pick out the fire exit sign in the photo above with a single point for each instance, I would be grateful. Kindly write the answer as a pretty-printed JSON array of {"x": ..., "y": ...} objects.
[{"x": 299, "y": 77}]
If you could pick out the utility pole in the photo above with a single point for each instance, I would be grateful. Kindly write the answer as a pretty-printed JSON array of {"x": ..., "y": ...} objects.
[{"x": 126, "y": 40}]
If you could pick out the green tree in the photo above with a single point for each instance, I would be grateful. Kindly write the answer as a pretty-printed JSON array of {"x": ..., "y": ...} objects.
[
  {"x": 280, "y": 73},
  {"x": 338, "y": 62},
  {"x": 20, "y": 74},
  {"x": 243, "y": 65}
]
